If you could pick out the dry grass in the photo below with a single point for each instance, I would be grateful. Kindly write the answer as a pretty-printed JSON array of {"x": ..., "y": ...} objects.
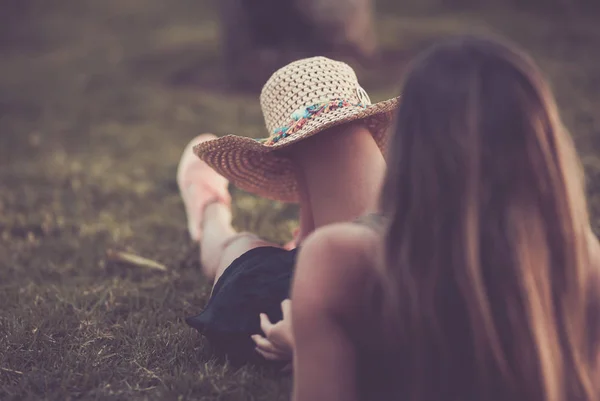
[{"x": 93, "y": 117}]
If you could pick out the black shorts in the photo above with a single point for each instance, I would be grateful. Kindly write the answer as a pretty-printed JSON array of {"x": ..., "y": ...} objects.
[{"x": 256, "y": 282}]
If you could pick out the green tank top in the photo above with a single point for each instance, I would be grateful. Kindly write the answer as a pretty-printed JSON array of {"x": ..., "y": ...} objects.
[{"x": 375, "y": 221}]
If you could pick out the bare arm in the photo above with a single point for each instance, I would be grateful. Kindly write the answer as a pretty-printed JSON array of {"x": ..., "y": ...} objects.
[
  {"x": 307, "y": 223},
  {"x": 324, "y": 357},
  {"x": 324, "y": 364}
]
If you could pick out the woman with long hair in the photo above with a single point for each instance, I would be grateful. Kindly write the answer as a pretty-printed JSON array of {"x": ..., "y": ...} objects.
[{"x": 479, "y": 279}]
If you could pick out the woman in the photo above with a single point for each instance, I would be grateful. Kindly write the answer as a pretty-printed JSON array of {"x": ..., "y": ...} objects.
[
  {"x": 481, "y": 281},
  {"x": 323, "y": 151}
]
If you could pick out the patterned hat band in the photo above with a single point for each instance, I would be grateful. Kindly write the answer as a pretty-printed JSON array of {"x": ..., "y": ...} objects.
[{"x": 304, "y": 114}]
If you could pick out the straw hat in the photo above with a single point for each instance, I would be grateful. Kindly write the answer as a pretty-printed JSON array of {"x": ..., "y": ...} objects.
[{"x": 298, "y": 101}]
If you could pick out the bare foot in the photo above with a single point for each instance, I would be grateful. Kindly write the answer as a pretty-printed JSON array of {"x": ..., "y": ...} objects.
[{"x": 199, "y": 186}]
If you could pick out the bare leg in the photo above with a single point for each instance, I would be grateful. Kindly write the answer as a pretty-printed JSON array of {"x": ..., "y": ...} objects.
[
  {"x": 206, "y": 199},
  {"x": 221, "y": 244}
]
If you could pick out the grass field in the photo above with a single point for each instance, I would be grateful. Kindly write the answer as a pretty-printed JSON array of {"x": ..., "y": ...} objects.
[{"x": 94, "y": 112}]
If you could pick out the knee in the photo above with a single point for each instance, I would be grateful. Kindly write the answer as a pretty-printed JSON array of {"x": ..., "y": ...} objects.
[{"x": 213, "y": 256}]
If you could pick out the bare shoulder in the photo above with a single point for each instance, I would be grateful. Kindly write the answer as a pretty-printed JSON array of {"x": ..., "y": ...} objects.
[
  {"x": 334, "y": 263},
  {"x": 343, "y": 246},
  {"x": 342, "y": 236}
]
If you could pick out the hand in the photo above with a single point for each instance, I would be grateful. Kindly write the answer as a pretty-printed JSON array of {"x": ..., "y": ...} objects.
[{"x": 278, "y": 342}]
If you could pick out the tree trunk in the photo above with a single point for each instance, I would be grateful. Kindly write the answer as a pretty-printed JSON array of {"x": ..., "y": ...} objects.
[{"x": 260, "y": 36}]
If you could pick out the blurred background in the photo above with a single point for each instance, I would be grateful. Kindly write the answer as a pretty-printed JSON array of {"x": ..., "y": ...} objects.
[{"x": 98, "y": 99}]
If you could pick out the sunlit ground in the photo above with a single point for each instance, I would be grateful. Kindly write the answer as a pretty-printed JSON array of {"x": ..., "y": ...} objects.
[{"x": 96, "y": 104}]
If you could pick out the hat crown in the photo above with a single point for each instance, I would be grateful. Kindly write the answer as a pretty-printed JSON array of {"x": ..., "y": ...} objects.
[{"x": 305, "y": 83}]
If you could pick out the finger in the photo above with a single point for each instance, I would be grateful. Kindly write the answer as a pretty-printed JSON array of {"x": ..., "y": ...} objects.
[
  {"x": 286, "y": 309},
  {"x": 265, "y": 345},
  {"x": 267, "y": 355},
  {"x": 265, "y": 324},
  {"x": 271, "y": 356}
]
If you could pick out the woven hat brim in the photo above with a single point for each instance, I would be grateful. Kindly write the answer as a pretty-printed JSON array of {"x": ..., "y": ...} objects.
[{"x": 262, "y": 170}]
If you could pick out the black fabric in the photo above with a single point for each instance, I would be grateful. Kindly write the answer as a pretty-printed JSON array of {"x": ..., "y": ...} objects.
[{"x": 256, "y": 282}]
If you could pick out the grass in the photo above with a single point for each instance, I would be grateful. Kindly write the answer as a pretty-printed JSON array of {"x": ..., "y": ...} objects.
[{"x": 93, "y": 117}]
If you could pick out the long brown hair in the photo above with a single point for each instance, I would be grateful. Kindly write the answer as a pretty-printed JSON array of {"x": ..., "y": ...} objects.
[{"x": 487, "y": 273}]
